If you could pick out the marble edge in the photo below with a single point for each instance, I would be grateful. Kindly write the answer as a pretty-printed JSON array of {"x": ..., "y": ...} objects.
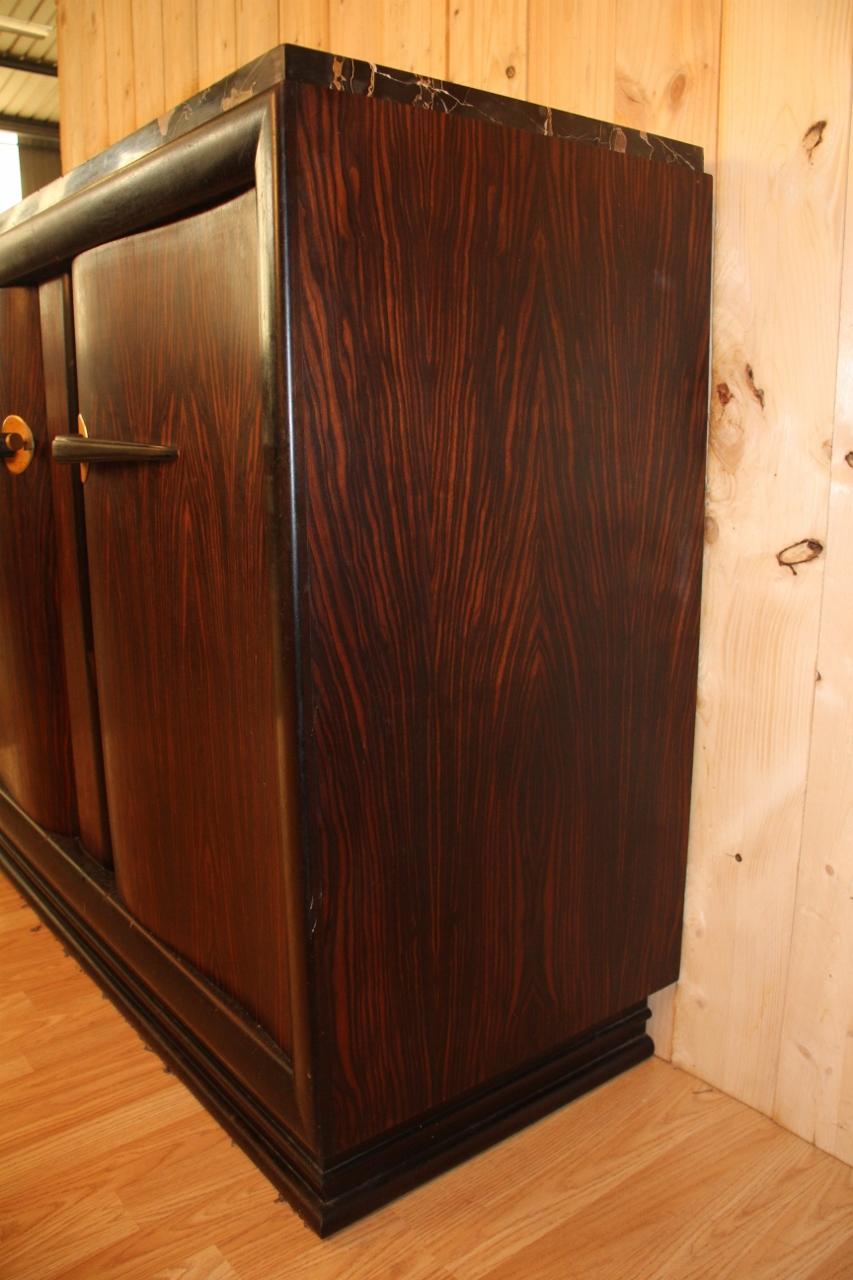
[
  {"x": 364, "y": 79},
  {"x": 373, "y": 80}
]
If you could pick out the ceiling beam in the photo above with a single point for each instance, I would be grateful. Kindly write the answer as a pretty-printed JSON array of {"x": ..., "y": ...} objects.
[
  {"x": 33, "y": 30},
  {"x": 30, "y": 128},
  {"x": 32, "y": 65}
]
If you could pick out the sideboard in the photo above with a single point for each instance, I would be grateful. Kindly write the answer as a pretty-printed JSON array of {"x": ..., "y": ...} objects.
[{"x": 352, "y": 512}]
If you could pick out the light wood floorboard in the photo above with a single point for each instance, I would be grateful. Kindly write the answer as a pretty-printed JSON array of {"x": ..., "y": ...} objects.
[{"x": 109, "y": 1169}]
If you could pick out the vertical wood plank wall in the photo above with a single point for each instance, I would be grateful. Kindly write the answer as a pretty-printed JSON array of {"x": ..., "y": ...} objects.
[{"x": 764, "y": 1007}]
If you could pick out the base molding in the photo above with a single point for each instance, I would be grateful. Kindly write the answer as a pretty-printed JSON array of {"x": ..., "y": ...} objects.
[
  {"x": 444, "y": 1138},
  {"x": 331, "y": 1195}
]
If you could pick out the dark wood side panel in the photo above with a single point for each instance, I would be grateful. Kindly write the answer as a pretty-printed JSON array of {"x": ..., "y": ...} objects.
[
  {"x": 35, "y": 744},
  {"x": 501, "y": 361},
  {"x": 72, "y": 573},
  {"x": 169, "y": 351}
]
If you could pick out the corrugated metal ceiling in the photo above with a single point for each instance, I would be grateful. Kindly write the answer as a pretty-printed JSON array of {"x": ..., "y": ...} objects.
[{"x": 23, "y": 94}]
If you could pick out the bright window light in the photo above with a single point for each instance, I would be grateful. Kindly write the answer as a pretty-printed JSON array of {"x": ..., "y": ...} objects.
[{"x": 10, "y": 170}]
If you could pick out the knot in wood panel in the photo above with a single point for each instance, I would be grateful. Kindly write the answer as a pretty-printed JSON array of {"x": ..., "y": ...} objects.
[
  {"x": 799, "y": 553},
  {"x": 757, "y": 392},
  {"x": 812, "y": 138},
  {"x": 677, "y": 86}
]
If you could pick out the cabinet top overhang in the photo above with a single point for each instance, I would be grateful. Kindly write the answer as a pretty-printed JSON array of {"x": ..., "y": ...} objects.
[{"x": 293, "y": 63}]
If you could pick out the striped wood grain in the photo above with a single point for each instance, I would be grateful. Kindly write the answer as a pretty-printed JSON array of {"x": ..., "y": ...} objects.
[
  {"x": 181, "y": 554},
  {"x": 36, "y": 766},
  {"x": 463, "y": 632}
]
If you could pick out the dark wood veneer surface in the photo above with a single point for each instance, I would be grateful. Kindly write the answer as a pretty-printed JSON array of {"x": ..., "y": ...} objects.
[
  {"x": 35, "y": 744},
  {"x": 169, "y": 351},
  {"x": 500, "y": 349}
]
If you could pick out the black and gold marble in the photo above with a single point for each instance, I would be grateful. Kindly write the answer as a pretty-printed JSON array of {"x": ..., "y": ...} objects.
[
  {"x": 369, "y": 80},
  {"x": 365, "y": 79}
]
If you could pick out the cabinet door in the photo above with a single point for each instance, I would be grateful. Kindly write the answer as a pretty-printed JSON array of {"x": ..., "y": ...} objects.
[
  {"x": 35, "y": 744},
  {"x": 183, "y": 595}
]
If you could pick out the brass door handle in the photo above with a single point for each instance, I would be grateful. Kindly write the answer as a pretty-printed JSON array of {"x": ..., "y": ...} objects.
[
  {"x": 16, "y": 444},
  {"x": 81, "y": 450}
]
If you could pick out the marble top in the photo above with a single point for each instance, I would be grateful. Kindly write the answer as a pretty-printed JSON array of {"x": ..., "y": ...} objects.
[{"x": 366, "y": 79}]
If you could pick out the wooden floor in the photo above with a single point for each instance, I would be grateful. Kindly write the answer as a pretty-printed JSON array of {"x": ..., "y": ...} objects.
[{"x": 109, "y": 1168}]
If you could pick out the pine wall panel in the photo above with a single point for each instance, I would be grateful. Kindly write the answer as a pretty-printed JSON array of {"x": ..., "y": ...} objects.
[
  {"x": 778, "y": 252},
  {"x": 764, "y": 1007},
  {"x": 180, "y": 52},
  {"x": 123, "y": 100},
  {"x": 814, "y": 1092},
  {"x": 571, "y": 54}
]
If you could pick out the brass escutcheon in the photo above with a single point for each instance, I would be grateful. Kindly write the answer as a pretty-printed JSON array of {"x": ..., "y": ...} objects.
[{"x": 21, "y": 458}]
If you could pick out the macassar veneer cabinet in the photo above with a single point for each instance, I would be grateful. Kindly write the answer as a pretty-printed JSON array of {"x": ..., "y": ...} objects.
[{"x": 350, "y": 601}]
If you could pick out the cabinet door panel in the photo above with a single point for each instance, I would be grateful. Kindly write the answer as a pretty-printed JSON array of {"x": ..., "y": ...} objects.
[
  {"x": 35, "y": 745},
  {"x": 183, "y": 602}
]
